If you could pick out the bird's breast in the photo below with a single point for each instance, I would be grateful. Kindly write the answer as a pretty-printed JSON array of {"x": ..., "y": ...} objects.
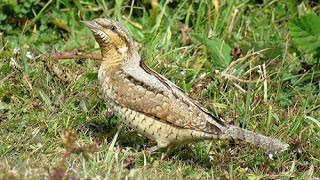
[{"x": 107, "y": 77}]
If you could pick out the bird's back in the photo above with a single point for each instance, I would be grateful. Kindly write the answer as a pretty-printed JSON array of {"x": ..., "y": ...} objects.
[{"x": 155, "y": 112}]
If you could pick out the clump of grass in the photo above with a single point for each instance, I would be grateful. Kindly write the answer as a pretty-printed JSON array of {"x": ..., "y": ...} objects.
[{"x": 267, "y": 84}]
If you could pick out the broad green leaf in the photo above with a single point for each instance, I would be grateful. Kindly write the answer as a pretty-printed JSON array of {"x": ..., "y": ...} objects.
[
  {"x": 218, "y": 49},
  {"x": 305, "y": 32}
]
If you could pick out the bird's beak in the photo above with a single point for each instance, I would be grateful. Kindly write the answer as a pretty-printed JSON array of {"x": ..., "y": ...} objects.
[{"x": 90, "y": 24}]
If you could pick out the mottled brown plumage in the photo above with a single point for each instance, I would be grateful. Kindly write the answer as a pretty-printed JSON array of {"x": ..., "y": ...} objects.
[{"x": 150, "y": 103}]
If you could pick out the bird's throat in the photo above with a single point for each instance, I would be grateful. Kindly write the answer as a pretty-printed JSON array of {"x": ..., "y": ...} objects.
[{"x": 112, "y": 57}]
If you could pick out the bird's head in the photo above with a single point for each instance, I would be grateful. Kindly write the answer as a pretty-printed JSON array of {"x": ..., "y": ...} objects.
[{"x": 110, "y": 35}]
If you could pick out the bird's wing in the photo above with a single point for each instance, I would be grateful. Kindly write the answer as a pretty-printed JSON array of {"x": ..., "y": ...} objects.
[{"x": 169, "y": 104}]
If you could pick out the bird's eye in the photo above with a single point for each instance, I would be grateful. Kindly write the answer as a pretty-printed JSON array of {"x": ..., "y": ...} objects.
[{"x": 113, "y": 28}]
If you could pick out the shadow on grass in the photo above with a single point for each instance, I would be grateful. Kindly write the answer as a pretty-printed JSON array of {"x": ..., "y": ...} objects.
[{"x": 129, "y": 138}]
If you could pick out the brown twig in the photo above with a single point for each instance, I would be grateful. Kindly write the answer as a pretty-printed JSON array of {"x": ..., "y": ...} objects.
[
  {"x": 66, "y": 76},
  {"x": 71, "y": 55}
]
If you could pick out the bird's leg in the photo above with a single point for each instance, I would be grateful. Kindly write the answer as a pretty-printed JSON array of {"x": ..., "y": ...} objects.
[
  {"x": 153, "y": 149},
  {"x": 165, "y": 155}
]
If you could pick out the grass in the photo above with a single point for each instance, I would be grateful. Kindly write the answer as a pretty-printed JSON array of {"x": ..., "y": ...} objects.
[{"x": 53, "y": 128}]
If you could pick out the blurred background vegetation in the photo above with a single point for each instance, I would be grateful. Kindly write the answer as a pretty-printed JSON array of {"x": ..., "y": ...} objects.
[{"x": 253, "y": 62}]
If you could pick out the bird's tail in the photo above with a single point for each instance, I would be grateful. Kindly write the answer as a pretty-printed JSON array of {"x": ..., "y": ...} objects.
[{"x": 264, "y": 142}]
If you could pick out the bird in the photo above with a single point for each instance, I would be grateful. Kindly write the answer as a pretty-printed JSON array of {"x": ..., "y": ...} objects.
[{"x": 153, "y": 105}]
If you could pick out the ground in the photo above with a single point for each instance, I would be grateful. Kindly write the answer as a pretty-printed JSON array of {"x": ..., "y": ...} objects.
[{"x": 246, "y": 61}]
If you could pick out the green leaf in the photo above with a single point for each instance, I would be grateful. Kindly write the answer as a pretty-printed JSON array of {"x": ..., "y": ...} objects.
[
  {"x": 45, "y": 98},
  {"x": 3, "y": 16},
  {"x": 4, "y": 106},
  {"x": 91, "y": 76},
  {"x": 305, "y": 32},
  {"x": 218, "y": 49}
]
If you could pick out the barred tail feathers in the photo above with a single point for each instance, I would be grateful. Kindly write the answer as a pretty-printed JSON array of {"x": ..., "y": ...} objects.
[{"x": 264, "y": 142}]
